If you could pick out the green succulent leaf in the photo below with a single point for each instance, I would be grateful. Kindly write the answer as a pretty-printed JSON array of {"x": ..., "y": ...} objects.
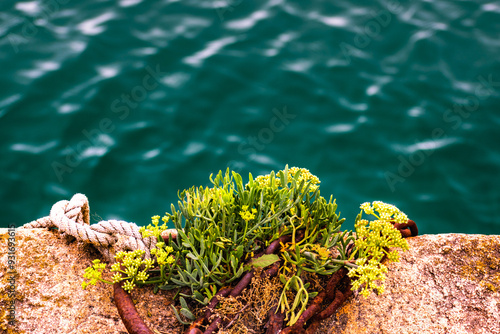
[{"x": 264, "y": 261}]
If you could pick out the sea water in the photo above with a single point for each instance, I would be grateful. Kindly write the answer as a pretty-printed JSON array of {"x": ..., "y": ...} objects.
[{"x": 130, "y": 101}]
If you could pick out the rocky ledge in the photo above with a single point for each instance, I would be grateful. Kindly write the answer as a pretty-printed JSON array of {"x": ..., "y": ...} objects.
[{"x": 447, "y": 283}]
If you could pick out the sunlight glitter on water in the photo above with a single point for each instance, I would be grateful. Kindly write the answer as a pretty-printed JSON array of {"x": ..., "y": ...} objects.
[
  {"x": 227, "y": 70},
  {"x": 94, "y": 25},
  {"x": 210, "y": 49}
]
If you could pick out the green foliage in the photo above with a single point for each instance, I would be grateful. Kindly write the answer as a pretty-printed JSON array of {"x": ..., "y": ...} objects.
[
  {"x": 221, "y": 227},
  {"x": 185, "y": 311},
  {"x": 299, "y": 305}
]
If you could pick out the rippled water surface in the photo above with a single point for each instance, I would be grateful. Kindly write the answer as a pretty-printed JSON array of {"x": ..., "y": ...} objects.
[{"x": 129, "y": 101}]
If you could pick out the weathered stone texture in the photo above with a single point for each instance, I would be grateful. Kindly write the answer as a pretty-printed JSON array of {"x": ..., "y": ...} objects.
[
  {"x": 447, "y": 284},
  {"x": 50, "y": 298}
]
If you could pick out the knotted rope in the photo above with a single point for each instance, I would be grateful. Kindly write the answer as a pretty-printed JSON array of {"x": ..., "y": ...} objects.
[{"x": 108, "y": 236}]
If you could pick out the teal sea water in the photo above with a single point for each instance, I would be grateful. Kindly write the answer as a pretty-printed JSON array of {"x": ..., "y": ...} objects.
[{"x": 129, "y": 101}]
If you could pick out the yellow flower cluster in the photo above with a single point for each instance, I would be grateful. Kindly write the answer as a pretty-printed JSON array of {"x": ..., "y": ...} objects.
[
  {"x": 366, "y": 275},
  {"x": 386, "y": 212},
  {"x": 93, "y": 273},
  {"x": 374, "y": 237},
  {"x": 263, "y": 180},
  {"x": 321, "y": 251},
  {"x": 247, "y": 215},
  {"x": 154, "y": 230},
  {"x": 373, "y": 241},
  {"x": 128, "y": 286},
  {"x": 162, "y": 253},
  {"x": 305, "y": 175},
  {"x": 132, "y": 262}
]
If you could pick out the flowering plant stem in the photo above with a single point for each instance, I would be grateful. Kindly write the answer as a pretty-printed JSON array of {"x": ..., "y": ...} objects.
[{"x": 346, "y": 263}]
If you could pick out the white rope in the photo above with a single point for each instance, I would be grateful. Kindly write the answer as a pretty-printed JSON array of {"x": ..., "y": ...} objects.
[{"x": 109, "y": 236}]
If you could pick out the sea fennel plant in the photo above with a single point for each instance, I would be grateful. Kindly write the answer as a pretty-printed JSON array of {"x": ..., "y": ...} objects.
[
  {"x": 221, "y": 227},
  {"x": 373, "y": 242},
  {"x": 223, "y": 231}
]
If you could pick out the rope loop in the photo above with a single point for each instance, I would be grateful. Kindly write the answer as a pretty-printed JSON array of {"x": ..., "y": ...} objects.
[{"x": 108, "y": 236}]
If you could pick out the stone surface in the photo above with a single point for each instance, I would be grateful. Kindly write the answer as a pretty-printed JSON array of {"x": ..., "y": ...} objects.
[
  {"x": 446, "y": 283},
  {"x": 49, "y": 294}
]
